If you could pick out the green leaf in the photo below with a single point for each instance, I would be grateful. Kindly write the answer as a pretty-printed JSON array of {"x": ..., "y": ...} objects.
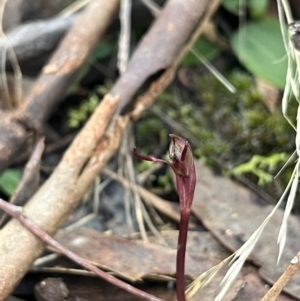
[
  {"x": 258, "y": 8},
  {"x": 206, "y": 48},
  {"x": 259, "y": 47},
  {"x": 103, "y": 50},
  {"x": 232, "y": 6},
  {"x": 9, "y": 181}
]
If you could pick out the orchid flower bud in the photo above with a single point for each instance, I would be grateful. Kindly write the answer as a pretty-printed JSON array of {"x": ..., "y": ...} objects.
[
  {"x": 182, "y": 163},
  {"x": 181, "y": 156}
]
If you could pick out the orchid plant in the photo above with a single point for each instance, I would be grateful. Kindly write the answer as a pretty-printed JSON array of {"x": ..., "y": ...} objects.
[{"x": 182, "y": 163}]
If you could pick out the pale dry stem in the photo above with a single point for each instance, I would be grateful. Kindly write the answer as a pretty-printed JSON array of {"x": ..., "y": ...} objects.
[{"x": 278, "y": 286}]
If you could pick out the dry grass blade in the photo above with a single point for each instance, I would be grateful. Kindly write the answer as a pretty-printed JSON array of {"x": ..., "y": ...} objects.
[
  {"x": 205, "y": 278},
  {"x": 242, "y": 253},
  {"x": 74, "y": 7},
  {"x": 282, "y": 25},
  {"x": 96, "y": 204},
  {"x": 290, "y": 202},
  {"x": 123, "y": 171},
  {"x": 141, "y": 212},
  {"x": 289, "y": 161},
  {"x": 125, "y": 158},
  {"x": 124, "y": 42},
  {"x": 126, "y": 168},
  {"x": 152, "y": 6},
  {"x": 131, "y": 175},
  {"x": 239, "y": 259},
  {"x": 213, "y": 70},
  {"x": 153, "y": 200},
  {"x": 291, "y": 86},
  {"x": 150, "y": 224},
  {"x": 287, "y": 92},
  {"x": 14, "y": 63}
]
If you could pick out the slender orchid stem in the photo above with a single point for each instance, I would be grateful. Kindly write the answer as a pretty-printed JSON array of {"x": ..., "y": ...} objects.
[
  {"x": 182, "y": 163},
  {"x": 180, "y": 260}
]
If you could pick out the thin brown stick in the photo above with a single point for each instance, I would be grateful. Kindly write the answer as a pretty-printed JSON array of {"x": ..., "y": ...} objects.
[
  {"x": 30, "y": 179},
  {"x": 160, "y": 204},
  {"x": 30, "y": 171},
  {"x": 53, "y": 202},
  {"x": 279, "y": 285},
  {"x": 17, "y": 213}
]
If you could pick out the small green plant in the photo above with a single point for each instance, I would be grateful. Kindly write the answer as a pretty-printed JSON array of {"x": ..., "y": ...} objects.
[
  {"x": 76, "y": 116},
  {"x": 9, "y": 181},
  {"x": 258, "y": 165}
]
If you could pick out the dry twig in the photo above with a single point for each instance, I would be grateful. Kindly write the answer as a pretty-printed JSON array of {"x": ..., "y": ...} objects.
[
  {"x": 30, "y": 179},
  {"x": 279, "y": 285},
  {"x": 17, "y": 213},
  {"x": 53, "y": 202}
]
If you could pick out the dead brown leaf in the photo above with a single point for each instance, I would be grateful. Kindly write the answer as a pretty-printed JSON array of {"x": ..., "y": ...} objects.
[
  {"x": 200, "y": 243},
  {"x": 135, "y": 260},
  {"x": 232, "y": 213},
  {"x": 96, "y": 289},
  {"x": 130, "y": 259}
]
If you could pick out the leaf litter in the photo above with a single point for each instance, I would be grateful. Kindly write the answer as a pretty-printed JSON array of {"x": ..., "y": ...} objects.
[
  {"x": 139, "y": 262},
  {"x": 232, "y": 213},
  {"x": 130, "y": 259}
]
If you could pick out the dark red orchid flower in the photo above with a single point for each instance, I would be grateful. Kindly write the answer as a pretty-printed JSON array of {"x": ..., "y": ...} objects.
[{"x": 182, "y": 163}]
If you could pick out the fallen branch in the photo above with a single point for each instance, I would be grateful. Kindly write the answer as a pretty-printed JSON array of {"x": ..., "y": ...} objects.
[
  {"x": 53, "y": 202},
  {"x": 17, "y": 127},
  {"x": 37, "y": 37},
  {"x": 17, "y": 213}
]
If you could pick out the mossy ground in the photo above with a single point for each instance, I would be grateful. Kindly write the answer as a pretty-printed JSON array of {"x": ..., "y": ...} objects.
[{"x": 231, "y": 128}]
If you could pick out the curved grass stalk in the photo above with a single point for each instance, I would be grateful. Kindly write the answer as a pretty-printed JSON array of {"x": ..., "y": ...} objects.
[
  {"x": 7, "y": 49},
  {"x": 244, "y": 251},
  {"x": 205, "y": 278},
  {"x": 290, "y": 202},
  {"x": 213, "y": 70}
]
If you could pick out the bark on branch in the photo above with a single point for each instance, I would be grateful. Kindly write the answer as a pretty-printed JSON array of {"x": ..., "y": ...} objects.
[{"x": 17, "y": 127}]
